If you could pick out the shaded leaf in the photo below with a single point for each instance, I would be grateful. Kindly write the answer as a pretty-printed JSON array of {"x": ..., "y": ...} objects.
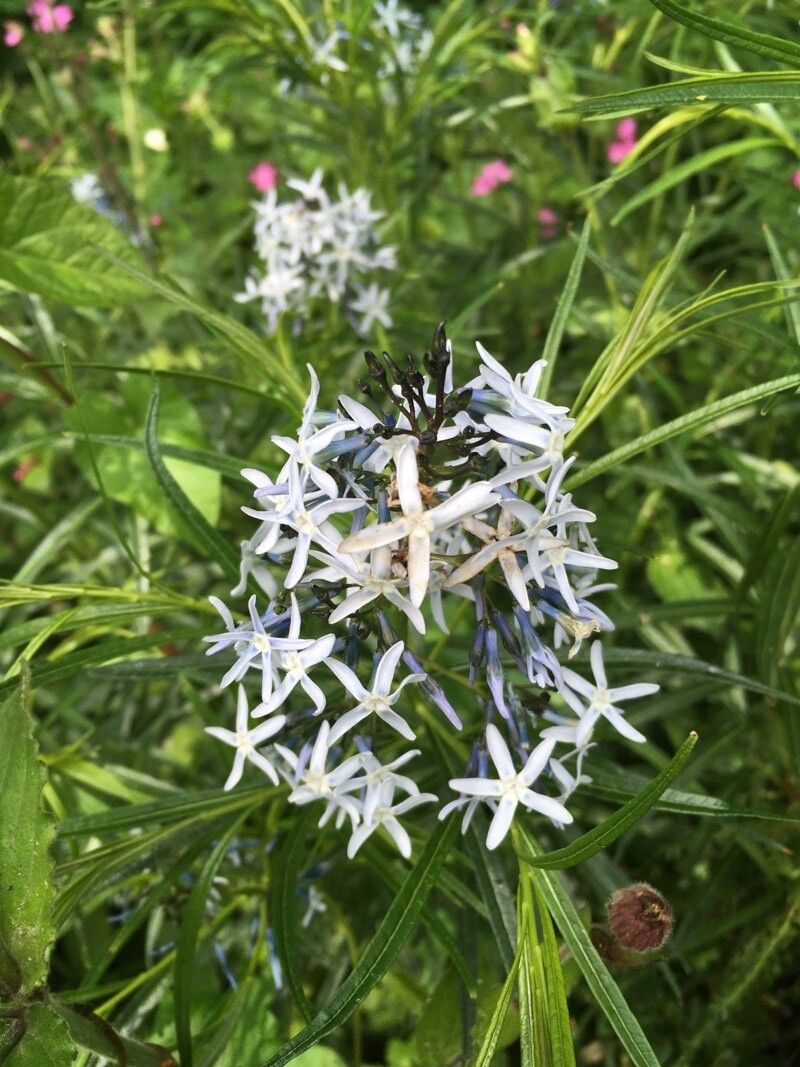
[
  {"x": 604, "y": 989},
  {"x": 52, "y": 245},
  {"x": 26, "y": 893},
  {"x": 391, "y": 935},
  {"x": 616, "y": 825}
]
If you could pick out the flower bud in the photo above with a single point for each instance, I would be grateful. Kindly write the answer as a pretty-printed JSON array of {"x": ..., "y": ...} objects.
[
  {"x": 639, "y": 917},
  {"x": 439, "y": 350}
]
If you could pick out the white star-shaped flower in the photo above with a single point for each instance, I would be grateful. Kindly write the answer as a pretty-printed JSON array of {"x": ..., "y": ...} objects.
[
  {"x": 310, "y": 523},
  {"x": 313, "y": 782},
  {"x": 310, "y": 442},
  {"x": 380, "y": 810},
  {"x": 297, "y": 664},
  {"x": 591, "y": 702},
  {"x": 366, "y": 581},
  {"x": 418, "y": 523},
  {"x": 246, "y": 741},
  {"x": 379, "y": 700},
  {"x": 512, "y": 787},
  {"x": 253, "y": 645}
]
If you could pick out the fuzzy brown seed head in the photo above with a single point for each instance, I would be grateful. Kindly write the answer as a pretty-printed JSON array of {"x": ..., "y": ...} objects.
[{"x": 639, "y": 917}]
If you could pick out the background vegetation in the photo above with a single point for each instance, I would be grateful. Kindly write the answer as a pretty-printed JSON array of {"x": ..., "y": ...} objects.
[{"x": 173, "y": 908}]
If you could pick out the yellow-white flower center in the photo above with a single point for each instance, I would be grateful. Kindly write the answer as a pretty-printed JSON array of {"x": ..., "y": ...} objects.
[
  {"x": 262, "y": 642},
  {"x": 294, "y": 665},
  {"x": 244, "y": 743}
]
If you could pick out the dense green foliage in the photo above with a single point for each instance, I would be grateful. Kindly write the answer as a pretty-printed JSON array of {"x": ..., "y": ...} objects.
[{"x": 133, "y": 389}]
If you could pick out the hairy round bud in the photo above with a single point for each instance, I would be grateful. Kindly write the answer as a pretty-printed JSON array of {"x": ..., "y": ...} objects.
[{"x": 639, "y": 917}]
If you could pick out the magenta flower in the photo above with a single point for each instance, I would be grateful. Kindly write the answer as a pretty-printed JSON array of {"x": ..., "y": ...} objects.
[
  {"x": 490, "y": 176},
  {"x": 263, "y": 176},
  {"x": 49, "y": 18},
  {"x": 625, "y": 141},
  {"x": 548, "y": 223},
  {"x": 796, "y": 179},
  {"x": 12, "y": 34}
]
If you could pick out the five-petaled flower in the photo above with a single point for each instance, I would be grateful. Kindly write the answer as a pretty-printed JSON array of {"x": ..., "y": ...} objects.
[{"x": 511, "y": 787}]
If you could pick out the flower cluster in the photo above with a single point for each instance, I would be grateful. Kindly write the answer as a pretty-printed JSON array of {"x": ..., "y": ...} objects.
[
  {"x": 45, "y": 16},
  {"x": 314, "y": 247},
  {"x": 418, "y": 503},
  {"x": 396, "y": 32}
]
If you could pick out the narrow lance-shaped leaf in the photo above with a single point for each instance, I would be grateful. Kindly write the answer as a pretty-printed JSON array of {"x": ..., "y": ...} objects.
[
  {"x": 284, "y": 875},
  {"x": 694, "y": 420},
  {"x": 763, "y": 44},
  {"x": 247, "y": 345},
  {"x": 52, "y": 245},
  {"x": 743, "y": 88},
  {"x": 562, "y": 1051},
  {"x": 688, "y": 665},
  {"x": 493, "y": 1031},
  {"x": 390, "y": 937},
  {"x": 612, "y": 828},
  {"x": 26, "y": 893},
  {"x": 682, "y": 171},
  {"x": 604, "y": 989},
  {"x": 201, "y": 530},
  {"x": 563, "y": 308},
  {"x": 188, "y": 934}
]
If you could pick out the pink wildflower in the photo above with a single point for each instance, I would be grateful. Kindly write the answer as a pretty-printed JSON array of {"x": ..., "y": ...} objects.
[
  {"x": 490, "y": 176},
  {"x": 796, "y": 179},
  {"x": 155, "y": 221},
  {"x": 49, "y": 18},
  {"x": 625, "y": 143},
  {"x": 263, "y": 176},
  {"x": 626, "y": 130},
  {"x": 548, "y": 223},
  {"x": 23, "y": 470},
  {"x": 12, "y": 34}
]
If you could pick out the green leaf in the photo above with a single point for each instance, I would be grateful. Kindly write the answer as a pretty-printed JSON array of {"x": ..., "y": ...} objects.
[
  {"x": 285, "y": 872},
  {"x": 680, "y": 172},
  {"x": 763, "y": 44},
  {"x": 26, "y": 892},
  {"x": 612, "y": 828},
  {"x": 743, "y": 88},
  {"x": 684, "y": 424},
  {"x": 609, "y": 786},
  {"x": 391, "y": 935},
  {"x": 494, "y": 1030},
  {"x": 91, "y": 1032},
  {"x": 68, "y": 666},
  {"x": 52, "y": 245},
  {"x": 114, "y": 423},
  {"x": 563, "y": 308},
  {"x": 188, "y": 933},
  {"x": 784, "y": 274},
  {"x": 202, "y": 532},
  {"x": 494, "y": 889},
  {"x": 209, "y": 803},
  {"x": 287, "y": 386},
  {"x": 687, "y": 665},
  {"x": 562, "y": 1051},
  {"x": 605, "y": 990},
  {"x": 46, "y": 1041}
]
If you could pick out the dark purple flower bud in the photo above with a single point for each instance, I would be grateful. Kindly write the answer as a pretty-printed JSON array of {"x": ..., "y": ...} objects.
[
  {"x": 639, "y": 917},
  {"x": 494, "y": 672},
  {"x": 509, "y": 639},
  {"x": 477, "y": 652},
  {"x": 433, "y": 690},
  {"x": 383, "y": 506}
]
